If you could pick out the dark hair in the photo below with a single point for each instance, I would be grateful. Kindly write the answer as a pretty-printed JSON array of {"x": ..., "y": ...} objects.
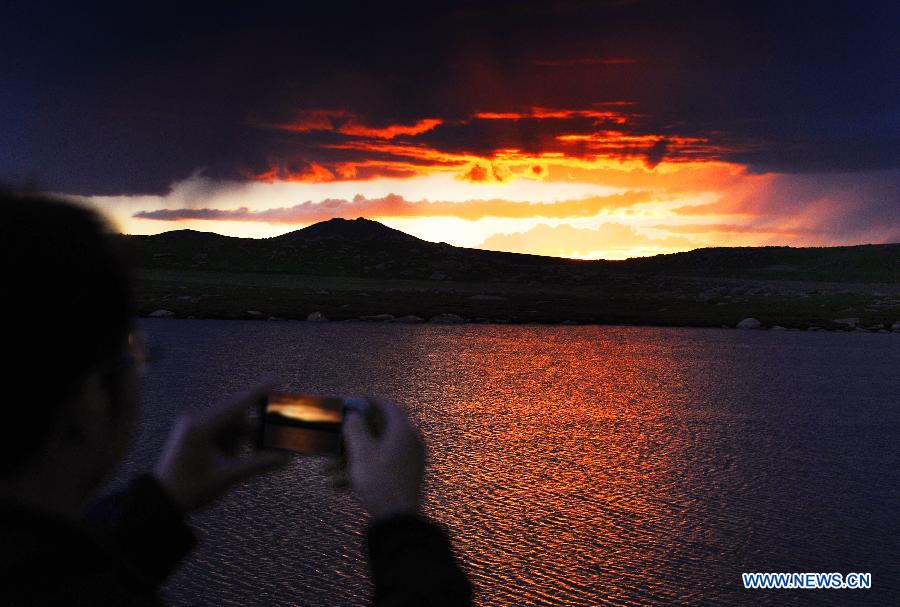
[{"x": 67, "y": 308}]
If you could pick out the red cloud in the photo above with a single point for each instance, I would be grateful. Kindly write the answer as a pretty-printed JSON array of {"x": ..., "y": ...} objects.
[
  {"x": 348, "y": 123},
  {"x": 389, "y": 132},
  {"x": 306, "y": 121},
  {"x": 581, "y": 139},
  {"x": 311, "y": 172},
  {"x": 654, "y": 148},
  {"x": 548, "y": 113}
]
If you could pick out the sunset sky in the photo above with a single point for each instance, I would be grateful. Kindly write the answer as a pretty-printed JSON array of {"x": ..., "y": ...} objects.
[{"x": 582, "y": 129}]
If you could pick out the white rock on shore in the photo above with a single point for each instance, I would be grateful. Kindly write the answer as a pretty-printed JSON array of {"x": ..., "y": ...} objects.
[
  {"x": 161, "y": 314},
  {"x": 850, "y": 322},
  {"x": 749, "y": 323},
  {"x": 317, "y": 317}
]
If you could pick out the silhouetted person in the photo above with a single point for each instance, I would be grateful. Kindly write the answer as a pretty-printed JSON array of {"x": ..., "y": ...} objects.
[{"x": 70, "y": 405}]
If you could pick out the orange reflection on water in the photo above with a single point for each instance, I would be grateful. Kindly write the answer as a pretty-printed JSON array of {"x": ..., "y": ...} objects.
[{"x": 561, "y": 474}]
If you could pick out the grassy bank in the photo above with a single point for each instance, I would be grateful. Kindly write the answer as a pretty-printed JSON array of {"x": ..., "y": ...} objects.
[{"x": 663, "y": 301}]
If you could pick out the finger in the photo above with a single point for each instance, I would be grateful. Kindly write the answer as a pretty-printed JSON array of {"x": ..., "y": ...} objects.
[
  {"x": 394, "y": 419},
  {"x": 357, "y": 439},
  {"x": 261, "y": 461}
]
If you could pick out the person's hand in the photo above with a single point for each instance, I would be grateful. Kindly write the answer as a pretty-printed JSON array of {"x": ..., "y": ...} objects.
[
  {"x": 385, "y": 471},
  {"x": 203, "y": 458}
]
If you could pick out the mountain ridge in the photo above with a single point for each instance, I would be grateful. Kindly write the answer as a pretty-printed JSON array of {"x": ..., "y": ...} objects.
[
  {"x": 348, "y": 229},
  {"x": 361, "y": 270},
  {"x": 342, "y": 247}
]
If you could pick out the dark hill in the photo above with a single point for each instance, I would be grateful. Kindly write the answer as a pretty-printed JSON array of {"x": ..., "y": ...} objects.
[
  {"x": 862, "y": 263},
  {"x": 341, "y": 247},
  {"x": 368, "y": 249},
  {"x": 359, "y": 229},
  {"x": 364, "y": 270}
]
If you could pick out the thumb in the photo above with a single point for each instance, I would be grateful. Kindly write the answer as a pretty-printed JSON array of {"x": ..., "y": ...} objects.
[{"x": 356, "y": 436}]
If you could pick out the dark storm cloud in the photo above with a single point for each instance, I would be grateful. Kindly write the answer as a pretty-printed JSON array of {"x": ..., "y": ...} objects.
[{"x": 130, "y": 97}]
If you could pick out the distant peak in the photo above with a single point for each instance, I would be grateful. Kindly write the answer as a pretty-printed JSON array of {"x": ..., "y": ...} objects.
[
  {"x": 350, "y": 229},
  {"x": 341, "y": 220},
  {"x": 187, "y": 233}
]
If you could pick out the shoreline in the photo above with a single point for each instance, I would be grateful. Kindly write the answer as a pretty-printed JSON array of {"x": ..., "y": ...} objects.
[
  {"x": 364, "y": 271},
  {"x": 488, "y": 322},
  {"x": 659, "y": 301}
]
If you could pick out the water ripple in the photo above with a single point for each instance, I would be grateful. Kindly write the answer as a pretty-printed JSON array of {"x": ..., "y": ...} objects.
[{"x": 572, "y": 466}]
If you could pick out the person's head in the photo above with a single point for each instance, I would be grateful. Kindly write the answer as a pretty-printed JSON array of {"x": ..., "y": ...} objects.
[{"x": 69, "y": 393}]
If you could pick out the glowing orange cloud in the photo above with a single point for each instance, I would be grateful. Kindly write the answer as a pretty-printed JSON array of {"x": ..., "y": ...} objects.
[
  {"x": 397, "y": 206},
  {"x": 370, "y": 152},
  {"x": 559, "y": 114},
  {"x": 389, "y": 132},
  {"x": 616, "y": 162},
  {"x": 310, "y": 173},
  {"x": 348, "y": 123},
  {"x": 623, "y": 154},
  {"x": 306, "y": 121},
  {"x": 617, "y": 139},
  {"x": 421, "y": 159}
]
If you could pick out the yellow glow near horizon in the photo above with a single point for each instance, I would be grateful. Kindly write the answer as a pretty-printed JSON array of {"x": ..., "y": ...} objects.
[{"x": 637, "y": 211}]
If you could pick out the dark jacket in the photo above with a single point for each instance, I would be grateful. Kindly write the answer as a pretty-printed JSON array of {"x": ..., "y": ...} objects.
[{"x": 131, "y": 541}]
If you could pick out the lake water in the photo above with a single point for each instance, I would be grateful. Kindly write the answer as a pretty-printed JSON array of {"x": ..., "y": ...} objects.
[{"x": 572, "y": 465}]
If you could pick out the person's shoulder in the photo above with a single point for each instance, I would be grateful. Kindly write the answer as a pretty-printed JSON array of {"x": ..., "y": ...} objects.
[{"x": 46, "y": 561}]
